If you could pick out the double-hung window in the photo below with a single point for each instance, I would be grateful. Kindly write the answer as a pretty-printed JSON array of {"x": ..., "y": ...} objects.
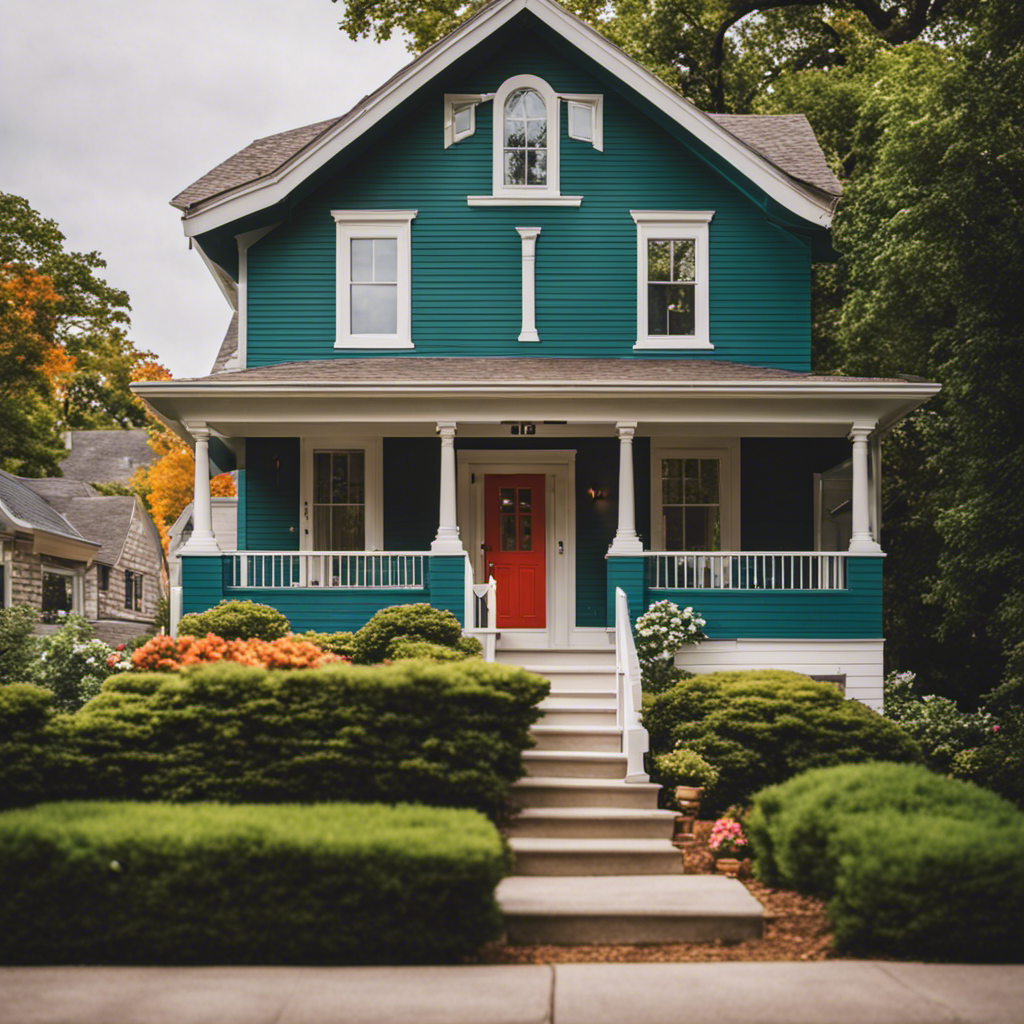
[
  {"x": 133, "y": 590},
  {"x": 374, "y": 264},
  {"x": 339, "y": 500},
  {"x": 672, "y": 279}
]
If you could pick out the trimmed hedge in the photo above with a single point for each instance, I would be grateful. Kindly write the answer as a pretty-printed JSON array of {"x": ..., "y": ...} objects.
[
  {"x": 915, "y": 864},
  {"x": 420, "y": 731},
  {"x": 766, "y": 725},
  {"x": 123, "y": 883},
  {"x": 26, "y": 711},
  {"x": 236, "y": 620},
  {"x": 418, "y": 621}
]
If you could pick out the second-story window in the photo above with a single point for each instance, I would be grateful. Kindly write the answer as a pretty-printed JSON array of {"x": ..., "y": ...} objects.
[{"x": 526, "y": 138}]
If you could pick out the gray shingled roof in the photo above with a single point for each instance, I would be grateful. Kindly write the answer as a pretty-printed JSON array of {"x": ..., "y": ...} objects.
[
  {"x": 25, "y": 504},
  {"x": 58, "y": 492},
  {"x": 441, "y": 371},
  {"x": 104, "y": 520},
  {"x": 228, "y": 347},
  {"x": 99, "y": 456}
]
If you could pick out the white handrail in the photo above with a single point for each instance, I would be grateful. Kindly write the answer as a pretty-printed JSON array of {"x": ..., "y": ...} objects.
[
  {"x": 635, "y": 741},
  {"x": 485, "y": 610},
  {"x": 746, "y": 570},
  {"x": 336, "y": 570}
]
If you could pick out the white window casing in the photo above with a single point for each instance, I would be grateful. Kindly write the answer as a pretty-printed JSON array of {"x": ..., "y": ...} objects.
[
  {"x": 373, "y": 451},
  {"x": 460, "y": 115},
  {"x": 384, "y": 226},
  {"x": 585, "y": 118},
  {"x": 672, "y": 226}
]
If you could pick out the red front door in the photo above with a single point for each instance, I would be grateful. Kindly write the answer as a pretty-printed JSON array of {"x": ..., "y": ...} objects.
[{"x": 514, "y": 537}]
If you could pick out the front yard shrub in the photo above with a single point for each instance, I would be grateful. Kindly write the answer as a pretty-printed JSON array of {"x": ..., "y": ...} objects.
[
  {"x": 766, "y": 725},
  {"x": 165, "y": 654},
  {"x": 339, "y": 642},
  {"x": 123, "y": 883},
  {"x": 236, "y": 620},
  {"x": 417, "y": 731},
  {"x": 403, "y": 647},
  {"x": 409, "y": 621},
  {"x": 916, "y": 864},
  {"x": 685, "y": 767},
  {"x": 25, "y": 713},
  {"x": 71, "y": 663},
  {"x": 17, "y": 644}
]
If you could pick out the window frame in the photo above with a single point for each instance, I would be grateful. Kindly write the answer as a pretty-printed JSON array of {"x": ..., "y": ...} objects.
[
  {"x": 76, "y": 586},
  {"x": 727, "y": 451},
  {"x": 102, "y": 578},
  {"x": 594, "y": 102},
  {"x": 353, "y": 224},
  {"x": 133, "y": 593},
  {"x": 373, "y": 471},
  {"x": 453, "y": 103},
  {"x": 674, "y": 225},
  {"x": 552, "y": 188}
]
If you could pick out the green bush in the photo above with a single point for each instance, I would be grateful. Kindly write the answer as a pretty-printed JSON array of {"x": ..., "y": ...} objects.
[
  {"x": 25, "y": 713},
  {"x": 410, "y": 621},
  {"x": 470, "y": 646},
  {"x": 122, "y": 883},
  {"x": 71, "y": 663},
  {"x": 998, "y": 763},
  {"x": 236, "y": 620},
  {"x": 403, "y": 647},
  {"x": 418, "y": 731},
  {"x": 684, "y": 767},
  {"x": 17, "y": 644},
  {"x": 339, "y": 642},
  {"x": 792, "y": 826},
  {"x": 764, "y": 726}
]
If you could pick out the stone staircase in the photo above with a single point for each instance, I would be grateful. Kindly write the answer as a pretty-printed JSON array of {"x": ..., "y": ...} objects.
[{"x": 594, "y": 861}]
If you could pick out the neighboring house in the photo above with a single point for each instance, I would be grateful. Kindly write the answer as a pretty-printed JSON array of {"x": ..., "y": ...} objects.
[
  {"x": 526, "y": 313},
  {"x": 73, "y": 549},
  {"x": 105, "y": 456}
]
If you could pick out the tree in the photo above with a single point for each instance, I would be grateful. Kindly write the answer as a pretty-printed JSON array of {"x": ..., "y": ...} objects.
[{"x": 90, "y": 322}]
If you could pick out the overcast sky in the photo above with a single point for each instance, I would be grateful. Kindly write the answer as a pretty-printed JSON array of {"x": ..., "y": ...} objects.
[{"x": 108, "y": 108}]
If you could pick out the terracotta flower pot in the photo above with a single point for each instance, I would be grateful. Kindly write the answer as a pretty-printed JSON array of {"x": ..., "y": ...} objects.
[
  {"x": 689, "y": 793},
  {"x": 728, "y": 866}
]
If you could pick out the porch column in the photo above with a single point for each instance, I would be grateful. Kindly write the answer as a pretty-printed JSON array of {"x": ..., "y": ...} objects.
[
  {"x": 861, "y": 539},
  {"x": 202, "y": 540},
  {"x": 626, "y": 542},
  {"x": 447, "y": 541}
]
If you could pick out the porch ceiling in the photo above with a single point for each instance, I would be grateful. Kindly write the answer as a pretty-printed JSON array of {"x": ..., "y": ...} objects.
[{"x": 703, "y": 396}]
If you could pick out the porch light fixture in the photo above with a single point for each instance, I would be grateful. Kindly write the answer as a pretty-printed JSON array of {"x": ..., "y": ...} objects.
[{"x": 595, "y": 492}]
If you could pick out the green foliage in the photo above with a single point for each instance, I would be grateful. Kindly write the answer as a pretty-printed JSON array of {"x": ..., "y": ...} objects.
[
  {"x": 684, "y": 767},
  {"x": 402, "y": 648},
  {"x": 17, "y": 644},
  {"x": 917, "y": 865},
  {"x": 162, "y": 616},
  {"x": 941, "y": 729},
  {"x": 25, "y": 713},
  {"x": 339, "y": 642},
  {"x": 236, "y": 620},
  {"x": 662, "y": 631},
  {"x": 113, "y": 488},
  {"x": 764, "y": 726},
  {"x": 211, "y": 884},
  {"x": 419, "y": 731},
  {"x": 470, "y": 646},
  {"x": 998, "y": 763},
  {"x": 408, "y": 621},
  {"x": 792, "y": 825},
  {"x": 71, "y": 663}
]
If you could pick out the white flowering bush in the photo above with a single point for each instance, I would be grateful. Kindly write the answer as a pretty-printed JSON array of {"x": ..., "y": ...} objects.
[
  {"x": 660, "y": 632},
  {"x": 72, "y": 663}
]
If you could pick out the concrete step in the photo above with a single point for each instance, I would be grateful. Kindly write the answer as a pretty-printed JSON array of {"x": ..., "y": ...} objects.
[
  {"x": 567, "y": 656},
  {"x": 576, "y": 698},
  {"x": 592, "y": 823},
  {"x": 562, "y": 737},
  {"x": 635, "y": 909},
  {"x": 595, "y": 857},
  {"x": 600, "y": 678},
  {"x": 602, "y": 715},
  {"x": 567, "y": 792},
  {"x": 578, "y": 764}
]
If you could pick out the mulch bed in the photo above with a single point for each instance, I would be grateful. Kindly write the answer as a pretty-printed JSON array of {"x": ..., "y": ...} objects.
[{"x": 795, "y": 928}]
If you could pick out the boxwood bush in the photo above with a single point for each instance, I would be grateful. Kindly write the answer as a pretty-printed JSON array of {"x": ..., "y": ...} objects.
[
  {"x": 124, "y": 883},
  {"x": 26, "y": 711},
  {"x": 766, "y": 725},
  {"x": 404, "y": 621},
  {"x": 914, "y": 864},
  {"x": 420, "y": 731},
  {"x": 236, "y": 620}
]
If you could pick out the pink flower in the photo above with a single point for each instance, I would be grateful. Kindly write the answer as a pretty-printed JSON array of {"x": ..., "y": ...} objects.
[
  {"x": 119, "y": 647},
  {"x": 995, "y": 728}
]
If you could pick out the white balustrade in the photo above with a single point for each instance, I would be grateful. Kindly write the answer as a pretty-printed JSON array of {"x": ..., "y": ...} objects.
[
  {"x": 337, "y": 570},
  {"x": 746, "y": 570},
  {"x": 485, "y": 610},
  {"x": 635, "y": 741}
]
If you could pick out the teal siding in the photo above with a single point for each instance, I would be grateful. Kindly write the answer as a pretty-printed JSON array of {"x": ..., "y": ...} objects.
[
  {"x": 272, "y": 494},
  {"x": 202, "y": 582},
  {"x": 851, "y": 614},
  {"x": 466, "y": 297},
  {"x": 448, "y": 584},
  {"x": 240, "y": 511},
  {"x": 628, "y": 573}
]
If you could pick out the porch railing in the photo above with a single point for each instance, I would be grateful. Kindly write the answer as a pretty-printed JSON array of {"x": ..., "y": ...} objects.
[
  {"x": 746, "y": 570},
  {"x": 343, "y": 570},
  {"x": 635, "y": 741},
  {"x": 484, "y": 620}
]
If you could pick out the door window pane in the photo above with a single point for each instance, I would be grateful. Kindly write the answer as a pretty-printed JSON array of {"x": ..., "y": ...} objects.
[
  {"x": 508, "y": 533},
  {"x": 339, "y": 500},
  {"x": 525, "y": 501},
  {"x": 525, "y": 533}
]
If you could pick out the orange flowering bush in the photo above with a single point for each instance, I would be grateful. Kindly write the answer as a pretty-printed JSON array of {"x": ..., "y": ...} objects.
[{"x": 165, "y": 654}]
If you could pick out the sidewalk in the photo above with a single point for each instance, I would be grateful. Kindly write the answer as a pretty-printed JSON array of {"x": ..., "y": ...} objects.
[{"x": 828, "y": 992}]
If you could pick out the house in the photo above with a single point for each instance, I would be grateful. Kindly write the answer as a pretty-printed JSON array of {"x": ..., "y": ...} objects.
[
  {"x": 68, "y": 548},
  {"x": 105, "y": 456},
  {"x": 525, "y": 313}
]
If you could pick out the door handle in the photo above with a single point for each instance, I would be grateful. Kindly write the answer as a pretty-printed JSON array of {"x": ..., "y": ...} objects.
[
  {"x": 561, "y": 547},
  {"x": 490, "y": 568}
]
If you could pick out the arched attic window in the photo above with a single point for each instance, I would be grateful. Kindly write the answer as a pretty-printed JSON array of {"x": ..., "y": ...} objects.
[{"x": 526, "y": 136}]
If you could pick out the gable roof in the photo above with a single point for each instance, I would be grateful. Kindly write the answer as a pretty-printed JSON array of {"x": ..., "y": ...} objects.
[
  {"x": 99, "y": 456},
  {"x": 105, "y": 520},
  {"x": 20, "y": 501},
  {"x": 267, "y": 170}
]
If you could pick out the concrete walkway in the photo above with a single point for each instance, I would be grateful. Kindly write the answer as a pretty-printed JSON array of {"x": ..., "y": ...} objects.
[{"x": 831, "y": 992}]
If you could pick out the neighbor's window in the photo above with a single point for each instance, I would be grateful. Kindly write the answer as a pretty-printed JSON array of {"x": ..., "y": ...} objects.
[
  {"x": 691, "y": 504},
  {"x": 339, "y": 500},
  {"x": 58, "y": 593},
  {"x": 133, "y": 590},
  {"x": 526, "y": 138},
  {"x": 103, "y": 577}
]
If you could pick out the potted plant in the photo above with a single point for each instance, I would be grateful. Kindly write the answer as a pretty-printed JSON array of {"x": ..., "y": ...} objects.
[
  {"x": 729, "y": 845},
  {"x": 687, "y": 773}
]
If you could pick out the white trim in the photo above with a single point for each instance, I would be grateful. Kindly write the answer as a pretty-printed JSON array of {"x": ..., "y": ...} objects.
[
  {"x": 559, "y": 469},
  {"x": 226, "y": 284},
  {"x": 552, "y": 187},
  {"x": 537, "y": 200},
  {"x": 373, "y": 537},
  {"x": 374, "y": 224},
  {"x": 529, "y": 240},
  {"x": 258, "y": 195},
  {"x": 461, "y": 99},
  {"x": 674, "y": 224},
  {"x": 727, "y": 451},
  {"x": 595, "y": 104},
  {"x": 77, "y": 581}
]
